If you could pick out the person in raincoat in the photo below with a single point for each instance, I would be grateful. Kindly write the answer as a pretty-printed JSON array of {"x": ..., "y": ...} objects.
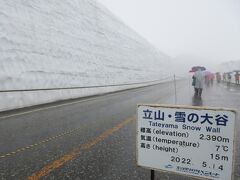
[
  {"x": 218, "y": 77},
  {"x": 229, "y": 77},
  {"x": 237, "y": 77},
  {"x": 199, "y": 80}
]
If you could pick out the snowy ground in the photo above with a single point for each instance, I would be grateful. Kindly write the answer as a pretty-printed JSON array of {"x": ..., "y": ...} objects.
[{"x": 68, "y": 43}]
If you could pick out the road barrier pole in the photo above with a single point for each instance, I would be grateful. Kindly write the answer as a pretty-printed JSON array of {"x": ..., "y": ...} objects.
[
  {"x": 175, "y": 89},
  {"x": 152, "y": 174}
]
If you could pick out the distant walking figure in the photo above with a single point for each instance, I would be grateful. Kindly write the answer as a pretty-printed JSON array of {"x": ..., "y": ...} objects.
[
  {"x": 224, "y": 77},
  {"x": 228, "y": 79},
  {"x": 218, "y": 77},
  {"x": 237, "y": 78}
]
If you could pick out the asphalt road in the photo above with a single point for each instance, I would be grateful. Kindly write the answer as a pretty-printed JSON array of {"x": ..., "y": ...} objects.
[{"x": 92, "y": 138}]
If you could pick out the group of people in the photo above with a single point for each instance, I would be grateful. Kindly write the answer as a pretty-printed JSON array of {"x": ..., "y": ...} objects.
[
  {"x": 227, "y": 77},
  {"x": 200, "y": 77}
]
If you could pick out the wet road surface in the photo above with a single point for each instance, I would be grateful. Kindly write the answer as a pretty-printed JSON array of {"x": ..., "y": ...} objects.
[{"x": 93, "y": 138}]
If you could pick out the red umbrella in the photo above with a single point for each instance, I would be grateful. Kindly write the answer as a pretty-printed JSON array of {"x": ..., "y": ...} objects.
[{"x": 207, "y": 73}]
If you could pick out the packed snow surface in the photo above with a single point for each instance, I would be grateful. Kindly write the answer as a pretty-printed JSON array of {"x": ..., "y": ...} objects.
[{"x": 69, "y": 43}]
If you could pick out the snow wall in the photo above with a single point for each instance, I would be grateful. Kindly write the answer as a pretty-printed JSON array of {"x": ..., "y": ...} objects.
[{"x": 69, "y": 43}]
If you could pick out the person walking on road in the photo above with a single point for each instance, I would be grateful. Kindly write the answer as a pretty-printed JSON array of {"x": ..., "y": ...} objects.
[
  {"x": 229, "y": 79},
  {"x": 199, "y": 80},
  {"x": 237, "y": 78},
  {"x": 218, "y": 77},
  {"x": 224, "y": 77}
]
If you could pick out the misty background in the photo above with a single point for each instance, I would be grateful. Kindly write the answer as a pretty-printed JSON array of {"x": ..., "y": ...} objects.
[{"x": 198, "y": 32}]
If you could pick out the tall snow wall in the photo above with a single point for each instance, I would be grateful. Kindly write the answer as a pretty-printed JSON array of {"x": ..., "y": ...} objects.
[{"x": 69, "y": 43}]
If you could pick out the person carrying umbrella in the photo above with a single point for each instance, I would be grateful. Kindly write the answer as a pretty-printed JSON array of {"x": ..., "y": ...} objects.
[
  {"x": 199, "y": 80},
  {"x": 208, "y": 78}
]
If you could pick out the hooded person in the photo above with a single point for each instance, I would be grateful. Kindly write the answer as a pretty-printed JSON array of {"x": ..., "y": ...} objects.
[{"x": 199, "y": 80}]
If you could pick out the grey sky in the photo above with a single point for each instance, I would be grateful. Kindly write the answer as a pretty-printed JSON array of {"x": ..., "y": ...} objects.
[{"x": 202, "y": 28}]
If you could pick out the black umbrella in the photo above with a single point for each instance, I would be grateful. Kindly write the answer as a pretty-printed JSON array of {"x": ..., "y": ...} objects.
[{"x": 195, "y": 68}]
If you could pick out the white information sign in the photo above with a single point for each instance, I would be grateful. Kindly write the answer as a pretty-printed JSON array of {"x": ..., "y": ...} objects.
[{"x": 192, "y": 141}]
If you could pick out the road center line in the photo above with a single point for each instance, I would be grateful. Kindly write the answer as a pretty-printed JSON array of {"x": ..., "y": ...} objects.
[
  {"x": 31, "y": 146},
  {"x": 75, "y": 152}
]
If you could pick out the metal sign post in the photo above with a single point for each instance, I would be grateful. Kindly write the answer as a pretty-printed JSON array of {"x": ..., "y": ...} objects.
[
  {"x": 187, "y": 140},
  {"x": 152, "y": 174},
  {"x": 175, "y": 88}
]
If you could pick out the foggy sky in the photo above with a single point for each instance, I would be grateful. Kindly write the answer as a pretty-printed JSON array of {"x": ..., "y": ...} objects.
[{"x": 207, "y": 29}]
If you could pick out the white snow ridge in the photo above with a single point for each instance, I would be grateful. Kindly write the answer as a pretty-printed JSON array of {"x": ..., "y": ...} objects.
[{"x": 69, "y": 43}]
